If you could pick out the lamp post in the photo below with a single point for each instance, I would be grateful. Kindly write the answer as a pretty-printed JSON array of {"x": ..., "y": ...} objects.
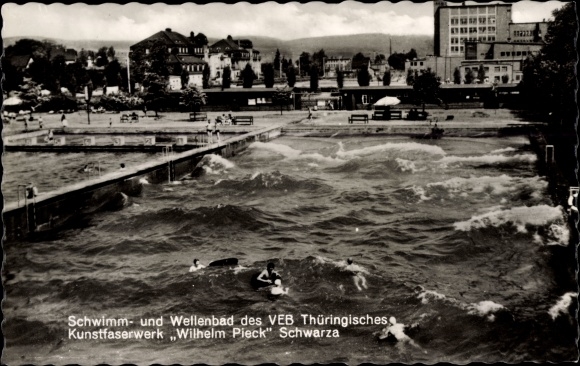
[
  {"x": 88, "y": 94},
  {"x": 128, "y": 73}
]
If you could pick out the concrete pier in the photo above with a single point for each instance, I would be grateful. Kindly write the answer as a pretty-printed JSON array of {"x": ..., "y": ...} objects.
[{"x": 54, "y": 209}]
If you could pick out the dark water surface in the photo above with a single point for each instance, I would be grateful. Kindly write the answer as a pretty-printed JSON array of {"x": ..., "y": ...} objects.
[{"x": 457, "y": 236}]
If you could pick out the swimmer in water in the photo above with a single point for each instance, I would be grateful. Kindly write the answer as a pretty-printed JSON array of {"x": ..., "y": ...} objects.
[
  {"x": 278, "y": 290},
  {"x": 268, "y": 276},
  {"x": 358, "y": 278},
  {"x": 196, "y": 266},
  {"x": 396, "y": 332}
]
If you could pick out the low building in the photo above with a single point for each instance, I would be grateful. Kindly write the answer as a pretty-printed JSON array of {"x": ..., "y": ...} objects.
[
  {"x": 444, "y": 67},
  {"x": 331, "y": 64}
]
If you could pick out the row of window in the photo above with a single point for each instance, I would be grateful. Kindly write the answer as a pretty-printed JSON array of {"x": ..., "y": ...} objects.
[
  {"x": 193, "y": 67},
  {"x": 457, "y": 48},
  {"x": 473, "y": 10},
  {"x": 416, "y": 63},
  {"x": 473, "y": 20},
  {"x": 465, "y": 30},
  {"x": 524, "y": 33},
  {"x": 456, "y": 40},
  {"x": 515, "y": 53}
]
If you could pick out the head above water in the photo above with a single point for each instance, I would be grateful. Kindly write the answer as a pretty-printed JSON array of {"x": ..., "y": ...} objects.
[
  {"x": 195, "y": 261},
  {"x": 349, "y": 261},
  {"x": 392, "y": 320},
  {"x": 270, "y": 266}
]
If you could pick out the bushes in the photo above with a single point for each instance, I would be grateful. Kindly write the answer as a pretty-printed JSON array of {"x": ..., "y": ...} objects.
[{"x": 120, "y": 102}]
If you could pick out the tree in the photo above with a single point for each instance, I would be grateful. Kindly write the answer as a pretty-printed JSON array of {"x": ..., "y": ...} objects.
[
  {"x": 410, "y": 77},
  {"x": 387, "y": 78},
  {"x": 411, "y": 55},
  {"x": 156, "y": 91},
  {"x": 549, "y": 79},
  {"x": 277, "y": 61},
  {"x": 248, "y": 76},
  {"x": 101, "y": 59},
  {"x": 83, "y": 57},
  {"x": 111, "y": 53},
  {"x": 158, "y": 56},
  {"x": 363, "y": 76},
  {"x": 282, "y": 97},
  {"x": 227, "y": 78},
  {"x": 481, "y": 74},
  {"x": 457, "y": 76},
  {"x": 193, "y": 98},
  {"x": 304, "y": 63},
  {"x": 313, "y": 78},
  {"x": 268, "y": 75},
  {"x": 339, "y": 78},
  {"x": 397, "y": 61},
  {"x": 113, "y": 73},
  {"x": 291, "y": 76},
  {"x": 184, "y": 78},
  {"x": 469, "y": 76},
  {"x": 318, "y": 58},
  {"x": 205, "y": 76},
  {"x": 426, "y": 87}
]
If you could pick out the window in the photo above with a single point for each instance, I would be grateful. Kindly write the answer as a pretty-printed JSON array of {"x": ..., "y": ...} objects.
[
  {"x": 481, "y": 20},
  {"x": 365, "y": 99},
  {"x": 454, "y": 31},
  {"x": 518, "y": 77},
  {"x": 502, "y": 54},
  {"x": 496, "y": 69},
  {"x": 421, "y": 63},
  {"x": 472, "y": 20},
  {"x": 463, "y": 20},
  {"x": 463, "y": 30},
  {"x": 482, "y": 29},
  {"x": 518, "y": 53},
  {"x": 472, "y": 29},
  {"x": 491, "y": 38},
  {"x": 504, "y": 68},
  {"x": 491, "y": 29},
  {"x": 491, "y": 20},
  {"x": 454, "y": 21}
]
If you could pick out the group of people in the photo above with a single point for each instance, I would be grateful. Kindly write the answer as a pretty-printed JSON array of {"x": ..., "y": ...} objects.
[{"x": 212, "y": 128}]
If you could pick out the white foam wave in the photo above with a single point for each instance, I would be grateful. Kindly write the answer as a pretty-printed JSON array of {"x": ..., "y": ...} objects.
[
  {"x": 492, "y": 185},
  {"x": 407, "y": 165},
  {"x": 419, "y": 191},
  {"x": 144, "y": 181},
  {"x": 519, "y": 216},
  {"x": 216, "y": 164},
  {"x": 393, "y": 146},
  {"x": 562, "y": 305},
  {"x": 488, "y": 159},
  {"x": 429, "y": 294},
  {"x": 485, "y": 308},
  {"x": 506, "y": 149},
  {"x": 558, "y": 234},
  {"x": 289, "y": 152}
]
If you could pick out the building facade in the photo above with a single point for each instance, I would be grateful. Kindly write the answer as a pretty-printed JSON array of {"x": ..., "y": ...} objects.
[
  {"x": 233, "y": 53},
  {"x": 482, "y": 34}
]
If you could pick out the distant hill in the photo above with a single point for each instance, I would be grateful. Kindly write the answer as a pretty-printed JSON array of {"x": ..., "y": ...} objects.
[{"x": 346, "y": 46}]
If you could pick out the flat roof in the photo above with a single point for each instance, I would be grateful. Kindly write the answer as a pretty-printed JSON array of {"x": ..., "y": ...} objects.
[{"x": 379, "y": 87}]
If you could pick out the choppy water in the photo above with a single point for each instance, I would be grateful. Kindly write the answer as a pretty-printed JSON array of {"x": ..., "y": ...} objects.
[{"x": 458, "y": 236}]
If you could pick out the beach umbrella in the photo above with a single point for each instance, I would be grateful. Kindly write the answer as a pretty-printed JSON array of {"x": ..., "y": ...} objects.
[{"x": 387, "y": 101}]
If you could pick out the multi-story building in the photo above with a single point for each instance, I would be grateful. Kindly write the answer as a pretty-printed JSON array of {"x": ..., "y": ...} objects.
[
  {"x": 182, "y": 50},
  {"x": 233, "y": 53},
  {"x": 468, "y": 36},
  {"x": 454, "y": 25},
  {"x": 331, "y": 64}
]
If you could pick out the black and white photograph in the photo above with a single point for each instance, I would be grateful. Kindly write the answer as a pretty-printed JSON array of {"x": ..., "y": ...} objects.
[{"x": 289, "y": 183}]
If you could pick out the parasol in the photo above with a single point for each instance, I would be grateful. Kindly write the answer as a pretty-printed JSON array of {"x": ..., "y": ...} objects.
[{"x": 387, "y": 101}]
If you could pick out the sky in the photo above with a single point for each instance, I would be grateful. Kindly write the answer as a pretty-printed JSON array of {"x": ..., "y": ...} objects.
[{"x": 135, "y": 21}]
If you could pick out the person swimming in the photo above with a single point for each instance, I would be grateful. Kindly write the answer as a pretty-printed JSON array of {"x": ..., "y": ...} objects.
[
  {"x": 196, "y": 266},
  {"x": 267, "y": 276},
  {"x": 359, "y": 280},
  {"x": 278, "y": 290}
]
